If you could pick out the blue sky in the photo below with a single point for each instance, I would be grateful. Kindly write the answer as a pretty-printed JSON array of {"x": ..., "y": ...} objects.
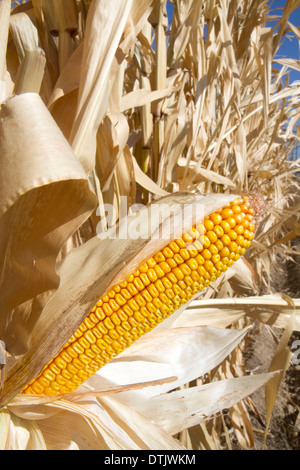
[{"x": 289, "y": 48}]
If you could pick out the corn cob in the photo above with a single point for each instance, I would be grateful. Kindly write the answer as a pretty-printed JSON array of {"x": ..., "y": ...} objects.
[{"x": 152, "y": 293}]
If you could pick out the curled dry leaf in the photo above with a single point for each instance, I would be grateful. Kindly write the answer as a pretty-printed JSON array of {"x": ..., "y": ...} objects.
[{"x": 45, "y": 196}]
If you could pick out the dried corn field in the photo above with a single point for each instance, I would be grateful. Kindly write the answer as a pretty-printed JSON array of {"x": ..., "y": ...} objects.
[{"x": 107, "y": 110}]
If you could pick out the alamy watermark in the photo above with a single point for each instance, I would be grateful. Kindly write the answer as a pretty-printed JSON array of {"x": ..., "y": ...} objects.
[{"x": 159, "y": 221}]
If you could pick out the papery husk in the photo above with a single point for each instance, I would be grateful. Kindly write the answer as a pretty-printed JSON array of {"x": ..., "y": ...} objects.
[
  {"x": 31, "y": 72},
  {"x": 88, "y": 424},
  {"x": 45, "y": 197},
  {"x": 166, "y": 352},
  {"x": 87, "y": 272},
  {"x": 270, "y": 309},
  {"x": 24, "y": 33},
  {"x": 182, "y": 409}
]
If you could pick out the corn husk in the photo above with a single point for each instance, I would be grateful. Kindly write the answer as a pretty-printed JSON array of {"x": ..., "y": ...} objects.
[{"x": 36, "y": 171}]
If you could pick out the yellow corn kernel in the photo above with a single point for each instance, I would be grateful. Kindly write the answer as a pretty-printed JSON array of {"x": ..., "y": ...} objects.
[
  {"x": 138, "y": 284},
  {"x": 218, "y": 231},
  {"x": 140, "y": 300},
  {"x": 178, "y": 273},
  {"x": 212, "y": 236},
  {"x": 114, "y": 305},
  {"x": 206, "y": 254},
  {"x": 174, "y": 247},
  {"x": 178, "y": 258},
  {"x": 131, "y": 288},
  {"x": 213, "y": 249}
]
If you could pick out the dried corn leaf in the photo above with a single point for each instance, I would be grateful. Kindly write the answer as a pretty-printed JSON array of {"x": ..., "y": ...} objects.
[
  {"x": 146, "y": 182},
  {"x": 96, "y": 66},
  {"x": 186, "y": 353},
  {"x": 185, "y": 408},
  {"x": 223, "y": 116},
  {"x": 66, "y": 425},
  {"x": 269, "y": 309},
  {"x": 45, "y": 197},
  {"x": 31, "y": 72},
  {"x": 24, "y": 33},
  {"x": 4, "y": 21},
  {"x": 202, "y": 174},
  {"x": 89, "y": 424},
  {"x": 142, "y": 97},
  {"x": 147, "y": 435}
]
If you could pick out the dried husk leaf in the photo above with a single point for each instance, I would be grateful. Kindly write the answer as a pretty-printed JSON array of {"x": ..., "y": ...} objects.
[
  {"x": 45, "y": 197},
  {"x": 18, "y": 433},
  {"x": 242, "y": 278},
  {"x": 31, "y": 72},
  {"x": 146, "y": 182},
  {"x": 166, "y": 352},
  {"x": 67, "y": 425},
  {"x": 229, "y": 120},
  {"x": 181, "y": 409},
  {"x": 24, "y": 33},
  {"x": 90, "y": 424},
  {"x": 199, "y": 174},
  {"x": 269, "y": 309}
]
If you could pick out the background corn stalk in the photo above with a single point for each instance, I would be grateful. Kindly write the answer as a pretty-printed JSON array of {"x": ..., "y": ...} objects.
[{"x": 148, "y": 107}]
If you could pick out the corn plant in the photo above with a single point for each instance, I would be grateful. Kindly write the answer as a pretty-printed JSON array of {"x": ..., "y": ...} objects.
[{"x": 114, "y": 105}]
